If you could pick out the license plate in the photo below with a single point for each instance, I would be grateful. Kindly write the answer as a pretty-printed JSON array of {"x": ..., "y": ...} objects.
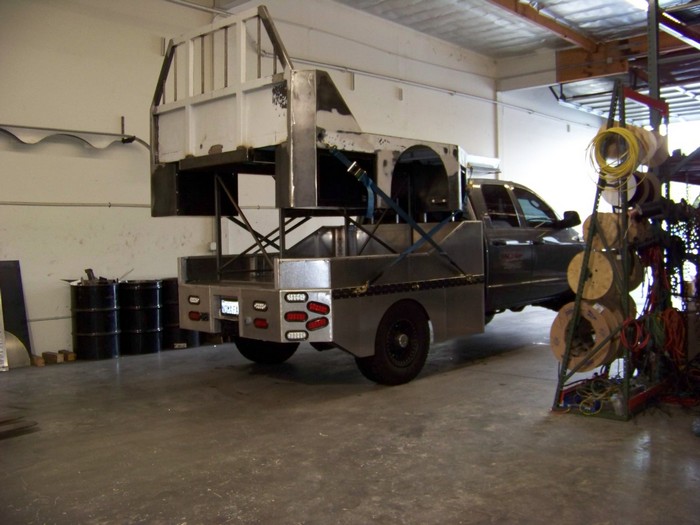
[{"x": 229, "y": 307}]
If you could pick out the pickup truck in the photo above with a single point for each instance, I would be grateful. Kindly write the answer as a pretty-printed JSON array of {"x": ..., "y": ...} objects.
[
  {"x": 342, "y": 287},
  {"x": 427, "y": 251}
]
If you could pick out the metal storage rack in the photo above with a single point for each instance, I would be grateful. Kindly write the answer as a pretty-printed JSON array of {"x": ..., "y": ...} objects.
[{"x": 622, "y": 395}]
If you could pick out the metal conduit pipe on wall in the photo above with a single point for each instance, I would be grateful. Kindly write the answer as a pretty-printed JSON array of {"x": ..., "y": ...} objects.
[
  {"x": 104, "y": 205},
  {"x": 430, "y": 87}
]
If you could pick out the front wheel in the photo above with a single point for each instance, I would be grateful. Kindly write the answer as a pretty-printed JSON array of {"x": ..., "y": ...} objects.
[
  {"x": 265, "y": 352},
  {"x": 400, "y": 346}
]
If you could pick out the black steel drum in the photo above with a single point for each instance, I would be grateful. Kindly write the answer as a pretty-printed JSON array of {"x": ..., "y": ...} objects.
[
  {"x": 141, "y": 320},
  {"x": 95, "y": 319},
  {"x": 173, "y": 335}
]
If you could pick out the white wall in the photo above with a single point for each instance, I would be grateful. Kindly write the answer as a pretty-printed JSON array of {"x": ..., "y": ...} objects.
[
  {"x": 325, "y": 32},
  {"x": 82, "y": 65},
  {"x": 544, "y": 146}
]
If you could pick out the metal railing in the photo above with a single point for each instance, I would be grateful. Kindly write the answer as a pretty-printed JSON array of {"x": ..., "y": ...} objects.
[
  {"x": 209, "y": 62},
  {"x": 217, "y": 60}
]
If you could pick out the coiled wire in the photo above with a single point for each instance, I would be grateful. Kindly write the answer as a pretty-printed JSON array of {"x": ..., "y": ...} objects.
[{"x": 615, "y": 153}]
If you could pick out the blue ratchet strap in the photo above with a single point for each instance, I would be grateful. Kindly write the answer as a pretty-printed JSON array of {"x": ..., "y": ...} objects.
[
  {"x": 367, "y": 182},
  {"x": 360, "y": 174}
]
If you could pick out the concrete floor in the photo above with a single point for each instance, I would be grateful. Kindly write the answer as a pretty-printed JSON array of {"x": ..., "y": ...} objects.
[{"x": 202, "y": 436}]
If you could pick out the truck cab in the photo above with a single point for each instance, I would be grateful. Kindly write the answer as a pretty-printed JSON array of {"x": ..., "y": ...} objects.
[{"x": 527, "y": 246}]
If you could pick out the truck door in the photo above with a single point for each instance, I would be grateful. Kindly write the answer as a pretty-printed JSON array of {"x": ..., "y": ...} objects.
[
  {"x": 553, "y": 246},
  {"x": 509, "y": 248}
]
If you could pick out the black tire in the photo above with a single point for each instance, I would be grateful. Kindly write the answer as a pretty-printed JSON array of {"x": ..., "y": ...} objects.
[
  {"x": 265, "y": 352},
  {"x": 400, "y": 346}
]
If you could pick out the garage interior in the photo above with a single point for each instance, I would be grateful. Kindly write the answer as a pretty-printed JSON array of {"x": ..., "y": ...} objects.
[{"x": 530, "y": 421}]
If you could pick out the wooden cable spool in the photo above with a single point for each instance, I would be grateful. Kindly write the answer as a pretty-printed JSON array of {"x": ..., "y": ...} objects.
[
  {"x": 595, "y": 325},
  {"x": 615, "y": 308},
  {"x": 608, "y": 231},
  {"x": 641, "y": 188},
  {"x": 602, "y": 267},
  {"x": 648, "y": 189},
  {"x": 661, "y": 153},
  {"x": 600, "y": 275},
  {"x": 653, "y": 146},
  {"x": 648, "y": 143},
  {"x": 639, "y": 231},
  {"x": 612, "y": 192}
]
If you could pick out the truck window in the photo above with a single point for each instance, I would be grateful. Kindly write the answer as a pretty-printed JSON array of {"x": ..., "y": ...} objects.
[
  {"x": 499, "y": 206},
  {"x": 537, "y": 212}
]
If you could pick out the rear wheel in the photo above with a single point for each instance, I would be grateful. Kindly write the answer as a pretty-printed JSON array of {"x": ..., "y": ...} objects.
[
  {"x": 400, "y": 347},
  {"x": 265, "y": 352}
]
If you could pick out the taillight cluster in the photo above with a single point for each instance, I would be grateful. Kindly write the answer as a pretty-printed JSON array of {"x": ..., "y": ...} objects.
[
  {"x": 194, "y": 315},
  {"x": 313, "y": 316}
]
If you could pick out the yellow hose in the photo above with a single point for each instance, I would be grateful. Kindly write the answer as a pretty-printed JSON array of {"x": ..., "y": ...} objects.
[{"x": 615, "y": 152}]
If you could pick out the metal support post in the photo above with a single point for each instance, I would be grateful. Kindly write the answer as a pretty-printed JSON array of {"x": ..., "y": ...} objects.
[
  {"x": 4, "y": 367},
  {"x": 217, "y": 225},
  {"x": 653, "y": 61}
]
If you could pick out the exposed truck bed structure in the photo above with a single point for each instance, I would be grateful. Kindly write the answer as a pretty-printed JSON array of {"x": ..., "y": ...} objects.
[{"x": 405, "y": 268}]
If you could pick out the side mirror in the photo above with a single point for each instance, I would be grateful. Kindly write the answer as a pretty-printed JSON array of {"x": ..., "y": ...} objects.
[{"x": 571, "y": 219}]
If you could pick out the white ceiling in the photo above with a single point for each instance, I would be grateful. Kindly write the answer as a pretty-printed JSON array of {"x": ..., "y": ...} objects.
[
  {"x": 482, "y": 26},
  {"x": 486, "y": 28}
]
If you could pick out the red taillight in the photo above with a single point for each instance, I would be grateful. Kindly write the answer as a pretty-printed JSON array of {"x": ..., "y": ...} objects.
[
  {"x": 316, "y": 324},
  {"x": 259, "y": 322},
  {"x": 194, "y": 316},
  {"x": 296, "y": 317},
  {"x": 318, "y": 308}
]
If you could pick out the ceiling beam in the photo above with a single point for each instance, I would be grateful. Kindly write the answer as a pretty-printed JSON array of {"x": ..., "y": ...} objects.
[
  {"x": 682, "y": 32},
  {"x": 612, "y": 58},
  {"x": 533, "y": 15}
]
